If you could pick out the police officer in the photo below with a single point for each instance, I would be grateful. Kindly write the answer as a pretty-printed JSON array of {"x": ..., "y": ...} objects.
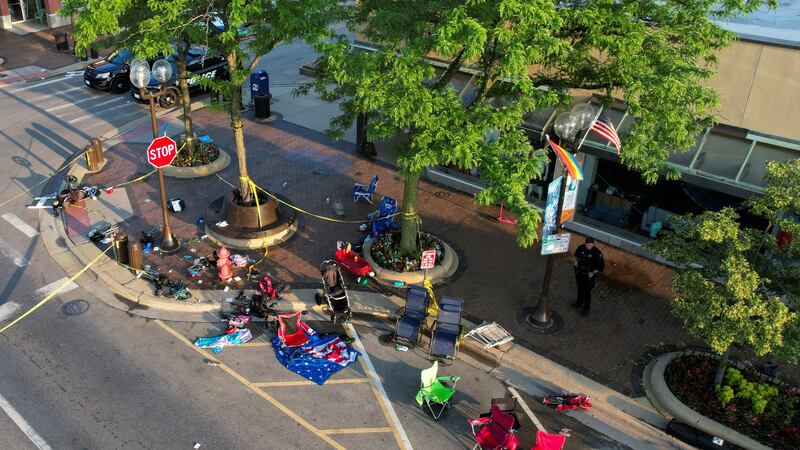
[{"x": 588, "y": 263}]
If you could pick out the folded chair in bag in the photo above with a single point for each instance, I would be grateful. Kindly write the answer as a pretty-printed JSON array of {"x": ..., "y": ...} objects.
[
  {"x": 495, "y": 431},
  {"x": 363, "y": 191},
  {"x": 446, "y": 334},
  {"x": 453, "y": 304},
  {"x": 409, "y": 324},
  {"x": 291, "y": 330},
  {"x": 433, "y": 392}
]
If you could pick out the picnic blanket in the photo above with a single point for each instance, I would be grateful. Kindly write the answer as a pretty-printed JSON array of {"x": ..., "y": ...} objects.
[
  {"x": 216, "y": 343},
  {"x": 317, "y": 360}
]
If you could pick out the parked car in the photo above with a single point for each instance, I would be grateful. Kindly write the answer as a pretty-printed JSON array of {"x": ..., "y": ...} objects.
[
  {"x": 198, "y": 64},
  {"x": 111, "y": 73}
]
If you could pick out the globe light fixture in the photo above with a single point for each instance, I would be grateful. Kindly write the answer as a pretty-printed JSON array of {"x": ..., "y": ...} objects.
[
  {"x": 162, "y": 70},
  {"x": 585, "y": 113},
  {"x": 566, "y": 125},
  {"x": 140, "y": 73}
]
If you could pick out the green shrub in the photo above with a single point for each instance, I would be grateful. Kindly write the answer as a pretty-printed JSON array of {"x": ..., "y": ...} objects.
[{"x": 758, "y": 395}]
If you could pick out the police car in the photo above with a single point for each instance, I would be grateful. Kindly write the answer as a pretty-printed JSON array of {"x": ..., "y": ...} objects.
[
  {"x": 198, "y": 64},
  {"x": 111, "y": 73}
]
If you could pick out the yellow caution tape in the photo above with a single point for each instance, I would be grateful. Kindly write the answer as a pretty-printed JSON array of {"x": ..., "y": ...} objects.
[{"x": 56, "y": 291}]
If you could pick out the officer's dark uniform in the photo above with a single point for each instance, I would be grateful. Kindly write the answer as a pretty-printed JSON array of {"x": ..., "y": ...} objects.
[{"x": 588, "y": 261}]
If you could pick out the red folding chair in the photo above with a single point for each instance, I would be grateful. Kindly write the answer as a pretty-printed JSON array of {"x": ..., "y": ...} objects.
[
  {"x": 291, "y": 330},
  {"x": 549, "y": 441},
  {"x": 495, "y": 432}
]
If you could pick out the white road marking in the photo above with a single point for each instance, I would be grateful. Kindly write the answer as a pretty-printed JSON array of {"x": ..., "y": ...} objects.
[
  {"x": 95, "y": 114},
  {"x": 20, "y": 225},
  {"x": 8, "y": 309},
  {"x": 527, "y": 409},
  {"x": 23, "y": 425},
  {"x": 54, "y": 94},
  {"x": 351, "y": 331},
  {"x": 46, "y": 290},
  {"x": 68, "y": 104},
  {"x": 39, "y": 84},
  {"x": 12, "y": 254}
]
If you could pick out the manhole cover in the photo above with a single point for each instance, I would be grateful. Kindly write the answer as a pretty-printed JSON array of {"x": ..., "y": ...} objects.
[
  {"x": 75, "y": 307},
  {"x": 442, "y": 194}
]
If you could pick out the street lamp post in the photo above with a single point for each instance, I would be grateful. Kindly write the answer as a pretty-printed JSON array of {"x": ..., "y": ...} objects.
[
  {"x": 567, "y": 126},
  {"x": 140, "y": 77}
]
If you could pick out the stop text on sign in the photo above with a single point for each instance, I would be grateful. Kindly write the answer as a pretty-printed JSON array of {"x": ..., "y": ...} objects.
[{"x": 161, "y": 152}]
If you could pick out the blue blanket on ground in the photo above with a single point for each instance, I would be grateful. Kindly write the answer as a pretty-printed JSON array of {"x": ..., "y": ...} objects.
[{"x": 317, "y": 360}]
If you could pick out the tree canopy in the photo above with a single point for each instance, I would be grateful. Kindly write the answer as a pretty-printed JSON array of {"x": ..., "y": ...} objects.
[
  {"x": 737, "y": 285},
  {"x": 525, "y": 54}
]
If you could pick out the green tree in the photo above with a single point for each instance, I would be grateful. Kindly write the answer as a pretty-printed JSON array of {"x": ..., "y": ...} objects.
[
  {"x": 527, "y": 54},
  {"x": 149, "y": 28},
  {"x": 736, "y": 285}
]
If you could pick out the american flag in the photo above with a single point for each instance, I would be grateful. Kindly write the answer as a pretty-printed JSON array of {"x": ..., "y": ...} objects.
[{"x": 603, "y": 126}]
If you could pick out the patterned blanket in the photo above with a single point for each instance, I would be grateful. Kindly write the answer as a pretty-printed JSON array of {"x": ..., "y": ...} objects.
[{"x": 317, "y": 360}]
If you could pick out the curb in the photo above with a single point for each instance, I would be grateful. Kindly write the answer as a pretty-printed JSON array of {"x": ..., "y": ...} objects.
[
  {"x": 665, "y": 401},
  {"x": 439, "y": 274}
]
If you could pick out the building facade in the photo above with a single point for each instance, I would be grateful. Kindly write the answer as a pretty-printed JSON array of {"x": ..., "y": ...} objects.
[{"x": 40, "y": 11}]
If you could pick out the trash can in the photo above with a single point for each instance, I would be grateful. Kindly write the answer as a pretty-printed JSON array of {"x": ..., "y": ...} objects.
[
  {"x": 259, "y": 83},
  {"x": 62, "y": 44},
  {"x": 262, "y": 105},
  {"x": 93, "y": 53},
  {"x": 121, "y": 249}
]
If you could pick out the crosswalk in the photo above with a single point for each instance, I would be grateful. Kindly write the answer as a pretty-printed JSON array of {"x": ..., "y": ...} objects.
[{"x": 41, "y": 125}]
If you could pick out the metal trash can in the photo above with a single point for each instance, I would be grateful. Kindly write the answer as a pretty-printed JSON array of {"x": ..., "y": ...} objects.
[
  {"x": 62, "y": 43},
  {"x": 121, "y": 249},
  {"x": 262, "y": 104},
  {"x": 259, "y": 83}
]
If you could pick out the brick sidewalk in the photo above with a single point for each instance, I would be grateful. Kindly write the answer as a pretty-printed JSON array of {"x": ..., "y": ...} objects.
[
  {"x": 33, "y": 49},
  {"x": 499, "y": 281}
]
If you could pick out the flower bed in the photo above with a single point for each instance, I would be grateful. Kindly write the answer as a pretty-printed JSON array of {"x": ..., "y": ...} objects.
[
  {"x": 746, "y": 401},
  {"x": 206, "y": 153},
  {"x": 386, "y": 252}
]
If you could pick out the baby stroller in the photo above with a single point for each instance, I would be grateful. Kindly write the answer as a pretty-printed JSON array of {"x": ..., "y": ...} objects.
[{"x": 334, "y": 292}]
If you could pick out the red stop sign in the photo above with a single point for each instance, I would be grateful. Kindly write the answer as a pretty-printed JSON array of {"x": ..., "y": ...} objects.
[{"x": 162, "y": 151}]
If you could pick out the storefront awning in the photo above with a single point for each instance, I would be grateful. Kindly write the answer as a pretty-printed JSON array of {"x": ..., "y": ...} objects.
[{"x": 726, "y": 159}]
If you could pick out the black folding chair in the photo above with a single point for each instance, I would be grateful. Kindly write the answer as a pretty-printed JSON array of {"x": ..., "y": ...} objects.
[
  {"x": 446, "y": 335},
  {"x": 409, "y": 324}
]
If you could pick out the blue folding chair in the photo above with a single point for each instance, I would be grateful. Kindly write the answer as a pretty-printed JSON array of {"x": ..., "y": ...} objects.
[
  {"x": 409, "y": 324},
  {"x": 362, "y": 191},
  {"x": 446, "y": 335},
  {"x": 381, "y": 222},
  {"x": 453, "y": 304}
]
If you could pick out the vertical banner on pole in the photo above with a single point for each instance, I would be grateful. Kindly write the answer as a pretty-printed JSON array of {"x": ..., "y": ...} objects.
[
  {"x": 570, "y": 198},
  {"x": 551, "y": 207}
]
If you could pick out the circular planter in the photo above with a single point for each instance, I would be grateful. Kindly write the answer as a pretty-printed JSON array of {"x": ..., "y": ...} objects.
[
  {"x": 243, "y": 230},
  {"x": 215, "y": 166},
  {"x": 665, "y": 402},
  {"x": 439, "y": 274}
]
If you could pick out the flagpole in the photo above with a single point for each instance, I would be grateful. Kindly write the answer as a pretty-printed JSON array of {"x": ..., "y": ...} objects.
[{"x": 589, "y": 128}]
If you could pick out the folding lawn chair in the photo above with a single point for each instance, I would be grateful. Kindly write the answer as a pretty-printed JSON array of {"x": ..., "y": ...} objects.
[
  {"x": 409, "y": 324},
  {"x": 495, "y": 432},
  {"x": 363, "y": 191},
  {"x": 433, "y": 392},
  {"x": 453, "y": 304},
  {"x": 291, "y": 330},
  {"x": 446, "y": 335},
  {"x": 549, "y": 441},
  {"x": 381, "y": 223}
]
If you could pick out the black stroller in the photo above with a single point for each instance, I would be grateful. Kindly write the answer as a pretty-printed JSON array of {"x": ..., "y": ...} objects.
[{"x": 334, "y": 292}]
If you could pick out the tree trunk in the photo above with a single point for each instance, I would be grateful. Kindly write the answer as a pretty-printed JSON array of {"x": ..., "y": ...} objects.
[
  {"x": 238, "y": 135},
  {"x": 723, "y": 365},
  {"x": 186, "y": 101},
  {"x": 409, "y": 229}
]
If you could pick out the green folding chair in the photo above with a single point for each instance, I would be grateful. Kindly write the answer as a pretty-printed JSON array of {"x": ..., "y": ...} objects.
[{"x": 434, "y": 392}]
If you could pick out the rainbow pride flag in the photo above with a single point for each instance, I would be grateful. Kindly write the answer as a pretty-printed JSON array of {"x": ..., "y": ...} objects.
[{"x": 569, "y": 161}]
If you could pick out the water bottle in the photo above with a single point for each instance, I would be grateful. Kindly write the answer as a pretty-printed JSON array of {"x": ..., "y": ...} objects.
[{"x": 399, "y": 283}]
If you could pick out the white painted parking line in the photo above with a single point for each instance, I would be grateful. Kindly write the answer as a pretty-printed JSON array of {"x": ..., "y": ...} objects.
[
  {"x": 68, "y": 104},
  {"x": 7, "y": 310},
  {"x": 384, "y": 399},
  {"x": 54, "y": 95},
  {"x": 46, "y": 290},
  {"x": 12, "y": 254},
  {"x": 23, "y": 425},
  {"x": 20, "y": 225},
  {"x": 35, "y": 85},
  {"x": 97, "y": 113}
]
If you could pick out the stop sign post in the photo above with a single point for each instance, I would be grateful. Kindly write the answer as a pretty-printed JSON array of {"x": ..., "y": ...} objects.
[{"x": 160, "y": 153}]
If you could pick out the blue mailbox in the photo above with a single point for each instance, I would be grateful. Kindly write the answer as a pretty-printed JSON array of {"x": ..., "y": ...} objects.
[{"x": 259, "y": 83}]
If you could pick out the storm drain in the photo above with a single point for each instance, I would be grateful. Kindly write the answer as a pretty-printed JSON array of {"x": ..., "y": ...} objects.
[{"x": 75, "y": 307}]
